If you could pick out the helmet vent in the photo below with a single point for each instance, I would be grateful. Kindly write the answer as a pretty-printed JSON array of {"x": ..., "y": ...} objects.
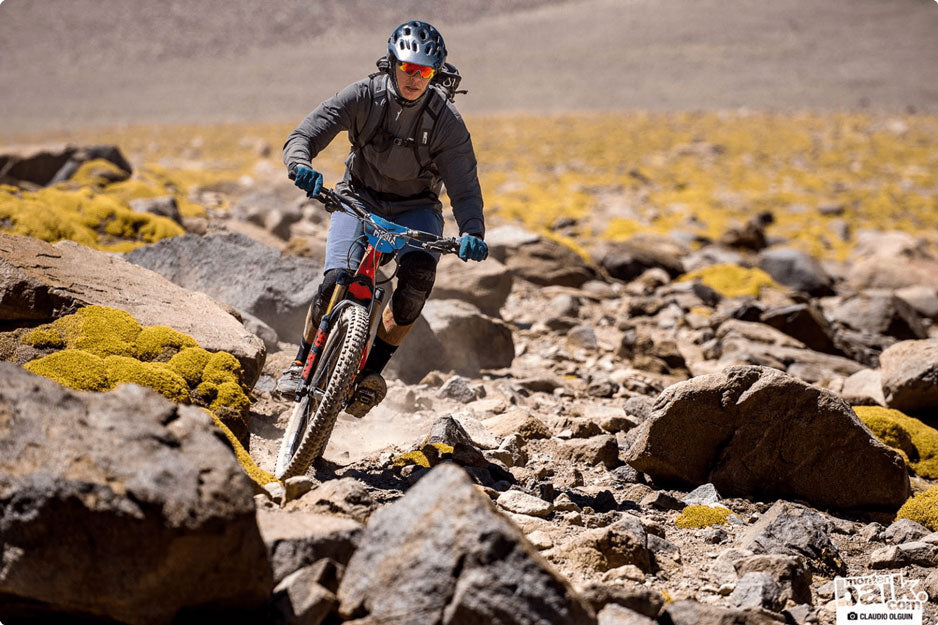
[
  {"x": 423, "y": 34},
  {"x": 407, "y": 32}
]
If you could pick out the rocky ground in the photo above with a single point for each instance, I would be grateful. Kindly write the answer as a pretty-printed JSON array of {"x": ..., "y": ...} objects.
[{"x": 660, "y": 432}]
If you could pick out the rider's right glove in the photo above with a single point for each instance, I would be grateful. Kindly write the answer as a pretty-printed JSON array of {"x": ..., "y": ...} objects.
[
  {"x": 472, "y": 248},
  {"x": 308, "y": 179}
]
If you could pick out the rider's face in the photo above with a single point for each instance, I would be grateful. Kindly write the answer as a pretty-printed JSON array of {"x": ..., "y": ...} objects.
[{"x": 412, "y": 86}]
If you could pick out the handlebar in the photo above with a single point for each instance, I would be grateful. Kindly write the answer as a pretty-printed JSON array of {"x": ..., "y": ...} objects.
[{"x": 425, "y": 240}]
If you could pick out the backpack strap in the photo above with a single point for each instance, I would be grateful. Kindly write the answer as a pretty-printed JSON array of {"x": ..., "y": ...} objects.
[
  {"x": 431, "y": 113},
  {"x": 376, "y": 111}
]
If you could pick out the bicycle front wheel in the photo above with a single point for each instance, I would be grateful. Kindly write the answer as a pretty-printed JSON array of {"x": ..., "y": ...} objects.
[{"x": 312, "y": 421}]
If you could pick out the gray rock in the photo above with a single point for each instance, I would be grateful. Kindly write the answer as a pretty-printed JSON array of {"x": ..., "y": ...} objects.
[
  {"x": 603, "y": 449},
  {"x": 457, "y": 388},
  {"x": 443, "y": 553},
  {"x": 923, "y": 299},
  {"x": 269, "y": 210},
  {"x": 601, "y": 549},
  {"x": 910, "y": 375},
  {"x": 662, "y": 500},
  {"x": 457, "y": 337},
  {"x": 872, "y": 532},
  {"x": 688, "y": 612},
  {"x": 523, "y": 503},
  {"x": 864, "y": 388},
  {"x": 513, "y": 446},
  {"x": 485, "y": 285},
  {"x": 346, "y": 496},
  {"x": 582, "y": 337},
  {"x": 634, "y": 597},
  {"x": 714, "y": 535},
  {"x": 241, "y": 272},
  {"x": 723, "y": 568},
  {"x": 261, "y": 330},
  {"x": 796, "y": 269},
  {"x": 703, "y": 495},
  {"x": 804, "y": 322},
  {"x": 298, "y": 539},
  {"x": 789, "y": 573},
  {"x": 757, "y": 590},
  {"x": 791, "y": 529},
  {"x": 757, "y": 431},
  {"x": 300, "y": 600},
  {"x": 906, "y": 554},
  {"x": 41, "y": 282},
  {"x": 878, "y": 312},
  {"x": 125, "y": 493},
  {"x": 538, "y": 260},
  {"x": 888, "y": 558},
  {"x": 614, "y": 614},
  {"x": 930, "y": 586},
  {"x": 448, "y": 431},
  {"x": 904, "y": 531},
  {"x": 627, "y": 260}
]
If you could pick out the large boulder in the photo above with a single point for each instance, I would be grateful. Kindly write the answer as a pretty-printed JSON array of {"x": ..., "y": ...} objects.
[
  {"x": 452, "y": 335},
  {"x": 120, "y": 506},
  {"x": 47, "y": 164},
  {"x": 486, "y": 284},
  {"x": 40, "y": 282},
  {"x": 755, "y": 431},
  {"x": 910, "y": 376},
  {"x": 244, "y": 273},
  {"x": 891, "y": 260},
  {"x": 442, "y": 552}
]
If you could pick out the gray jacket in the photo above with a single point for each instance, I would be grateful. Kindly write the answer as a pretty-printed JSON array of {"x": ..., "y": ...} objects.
[{"x": 390, "y": 169}]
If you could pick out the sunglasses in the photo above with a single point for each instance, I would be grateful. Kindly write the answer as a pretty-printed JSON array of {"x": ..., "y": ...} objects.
[{"x": 413, "y": 68}]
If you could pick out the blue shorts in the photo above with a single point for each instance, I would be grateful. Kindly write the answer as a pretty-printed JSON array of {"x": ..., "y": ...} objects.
[{"x": 346, "y": 243}]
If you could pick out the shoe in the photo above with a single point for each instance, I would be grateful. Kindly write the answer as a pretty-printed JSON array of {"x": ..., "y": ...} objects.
[
  {"x": 286, "y": 385},
  {"x": 369, "y": 393}
]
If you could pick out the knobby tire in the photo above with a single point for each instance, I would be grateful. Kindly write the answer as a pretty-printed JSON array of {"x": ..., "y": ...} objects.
[{"x": 342, "y": 353}]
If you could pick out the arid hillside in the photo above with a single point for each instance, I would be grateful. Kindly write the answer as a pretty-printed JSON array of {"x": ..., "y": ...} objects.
[{"x": 81, "y": 63}]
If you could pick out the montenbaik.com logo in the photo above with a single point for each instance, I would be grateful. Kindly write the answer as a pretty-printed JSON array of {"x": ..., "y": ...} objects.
[{"x": 892, "y": 598}]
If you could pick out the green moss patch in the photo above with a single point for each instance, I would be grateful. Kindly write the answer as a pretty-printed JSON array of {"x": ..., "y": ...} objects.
[
  {"x": 732, "y": 280},
  {"x": 222, "y": 367},
  {"x": 703, "y": 516},
  {"x": 917, "y": 442},
  {"x": 429, "y": 455},
  {"x": 922, "y": 508},
  {"x": 98, "y": 173},
  {"x": 44, "y": 337}
]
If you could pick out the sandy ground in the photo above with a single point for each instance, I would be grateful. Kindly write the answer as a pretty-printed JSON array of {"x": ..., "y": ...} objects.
[{"x": 86, "y": 63}]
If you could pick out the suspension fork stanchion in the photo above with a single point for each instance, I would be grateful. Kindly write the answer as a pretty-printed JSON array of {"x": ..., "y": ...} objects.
[
  {"x": 322, "y": 333},
  {"x": 374, "y": 318}
]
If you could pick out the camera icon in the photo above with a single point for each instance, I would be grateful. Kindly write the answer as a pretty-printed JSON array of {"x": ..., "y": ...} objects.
[{"x": 852, "y": 616}]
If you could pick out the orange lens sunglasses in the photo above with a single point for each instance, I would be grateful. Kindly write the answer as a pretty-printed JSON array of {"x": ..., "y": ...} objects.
[{"x": 413, "y": 68}]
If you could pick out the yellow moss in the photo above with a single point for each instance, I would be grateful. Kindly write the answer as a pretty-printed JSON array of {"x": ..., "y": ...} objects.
[
  {"x": 73, "y": 368},
  {"x": 922, "y": 508},
  {"x": 222, "y": 367},
  {"x": 206, "y": 392},
  {"x": 101, "y": 330},
  {"x": 155, "y": 375},
  {"x": 161, "y": 341},
  {"x": 915, "y": 440},
  {"x": 98, "y": 173},
  {"x": 189, "y": 363},
  {"x": 666, "y": 596},
  {"x": 732, "y": 280},
  {"x": 230, "y": 399},
  {"x": 416, "y": 457},
  {"x": 621, "y": 229},
  {"x": 45, "y": 336},
  {"x": 96, "y": 219},
  {"x": 258, "y": 475},
  {"x": 703, "y": 516}
]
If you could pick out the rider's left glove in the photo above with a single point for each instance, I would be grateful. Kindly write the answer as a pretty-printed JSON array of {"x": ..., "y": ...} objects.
[
  {"x": 309, "y": 180},
  {"x": 472, "y": 248}
]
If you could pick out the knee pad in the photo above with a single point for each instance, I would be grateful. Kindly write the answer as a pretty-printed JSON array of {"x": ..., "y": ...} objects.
[{"x": 415, "y": 277}]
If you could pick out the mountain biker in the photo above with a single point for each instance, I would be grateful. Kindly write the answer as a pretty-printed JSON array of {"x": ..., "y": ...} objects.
[{"x": 386, "y": 169}]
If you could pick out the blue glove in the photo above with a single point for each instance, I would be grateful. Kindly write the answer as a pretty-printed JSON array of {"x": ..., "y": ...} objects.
[
  {"x": 308, "y": 179},
  {"x": 472, "y": 248}
]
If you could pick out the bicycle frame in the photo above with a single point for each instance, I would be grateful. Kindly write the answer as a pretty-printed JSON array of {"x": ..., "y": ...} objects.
[{"x": 384, "y": 237}]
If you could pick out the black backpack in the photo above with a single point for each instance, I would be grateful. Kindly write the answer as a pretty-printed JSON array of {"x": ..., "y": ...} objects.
[{"x": 444, "y": 86}]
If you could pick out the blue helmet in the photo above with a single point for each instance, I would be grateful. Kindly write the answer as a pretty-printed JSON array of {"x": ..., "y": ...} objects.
[{"x": 418, "y": 42}]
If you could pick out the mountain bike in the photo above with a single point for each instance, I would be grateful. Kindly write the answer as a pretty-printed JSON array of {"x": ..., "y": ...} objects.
[{"x": 345, "y": 334}]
